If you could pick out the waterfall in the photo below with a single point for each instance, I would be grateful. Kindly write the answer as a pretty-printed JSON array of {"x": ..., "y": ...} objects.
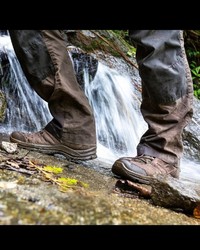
[
  {"x": 26, "y": 111},
  {"x": 119, "y": 124}
]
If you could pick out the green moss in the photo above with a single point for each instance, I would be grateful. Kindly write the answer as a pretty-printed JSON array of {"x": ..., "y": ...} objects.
[{"x": 3, "y": 105}]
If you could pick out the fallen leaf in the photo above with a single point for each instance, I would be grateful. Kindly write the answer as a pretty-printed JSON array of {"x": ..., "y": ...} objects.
[{"x": 196, "y": 212}]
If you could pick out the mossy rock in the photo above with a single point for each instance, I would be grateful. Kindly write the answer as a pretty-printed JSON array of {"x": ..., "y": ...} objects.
[{"x": 3, "y": 105}]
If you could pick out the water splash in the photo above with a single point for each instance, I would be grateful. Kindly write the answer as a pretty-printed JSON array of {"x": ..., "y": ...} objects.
[{"x": 190, "y": 170}]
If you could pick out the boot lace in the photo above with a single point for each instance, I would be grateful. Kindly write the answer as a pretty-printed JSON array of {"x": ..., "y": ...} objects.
[{"x": 144, "y": 159}]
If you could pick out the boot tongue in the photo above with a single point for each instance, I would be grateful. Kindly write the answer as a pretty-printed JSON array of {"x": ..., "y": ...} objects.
[
  {"x": 144, "y": 158},
  {"x": 54, "y": 129}
]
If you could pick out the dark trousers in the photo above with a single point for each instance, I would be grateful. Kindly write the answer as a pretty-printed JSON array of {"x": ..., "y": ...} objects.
[{"x": 167, "y": 91}]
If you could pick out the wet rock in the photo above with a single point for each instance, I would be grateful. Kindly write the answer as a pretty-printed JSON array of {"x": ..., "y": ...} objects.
[
  {"x": 175, "y": 194},
  {"x": 28, "y": 199},
  {"x": 2, "y": 106},
  {"x": 165, "y": 192},
  {"x": 8, "y": 147}
]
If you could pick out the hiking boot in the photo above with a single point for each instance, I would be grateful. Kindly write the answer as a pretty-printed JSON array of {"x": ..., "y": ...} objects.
[
  {"x": 143, "y": 168},
  {"x": 45, "y": 142}
]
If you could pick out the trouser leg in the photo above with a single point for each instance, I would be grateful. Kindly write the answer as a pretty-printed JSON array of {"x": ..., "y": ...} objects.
[
  {"x": 167, "y": 92},
  {"x": 47, "y": 65}
]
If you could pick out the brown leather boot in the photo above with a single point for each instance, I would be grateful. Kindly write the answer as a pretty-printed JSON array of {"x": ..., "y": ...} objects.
[
  {"x": 45, "y": 142},
  {"x": 143, "y": 168}
]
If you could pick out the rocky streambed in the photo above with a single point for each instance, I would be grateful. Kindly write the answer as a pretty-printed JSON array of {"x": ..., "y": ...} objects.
[{"x": 31, "y": 197}]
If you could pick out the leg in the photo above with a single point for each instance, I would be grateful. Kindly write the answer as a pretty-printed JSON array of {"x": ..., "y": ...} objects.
[
  {"x": 167, "y": 93},
  {"x": 46, "y": 64}
]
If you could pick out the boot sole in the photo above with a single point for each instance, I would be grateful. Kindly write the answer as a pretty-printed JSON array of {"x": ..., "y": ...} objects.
[
  {"x": 69, "y": 153},
  {"x": 120, "y": 169}
]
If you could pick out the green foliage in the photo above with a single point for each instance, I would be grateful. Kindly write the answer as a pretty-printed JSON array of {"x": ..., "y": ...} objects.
[
  {"x": 124, "y": 37},
  {"x": 131, "y": 52},
  {"x": 195, "y": 71},
  {"x": 192, "y": 47},
  {"x": 122, "y": 33}
]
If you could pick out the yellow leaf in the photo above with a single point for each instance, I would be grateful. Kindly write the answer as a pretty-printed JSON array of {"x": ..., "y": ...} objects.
[
  {"x": 53, "y": 169},
  {"x": 67, "y": 181}
]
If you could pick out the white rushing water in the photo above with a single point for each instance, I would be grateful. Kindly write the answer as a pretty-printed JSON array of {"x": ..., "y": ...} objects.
[
  {"x": 26, "y": 111},
  {"x": 112, "y": 97}
]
